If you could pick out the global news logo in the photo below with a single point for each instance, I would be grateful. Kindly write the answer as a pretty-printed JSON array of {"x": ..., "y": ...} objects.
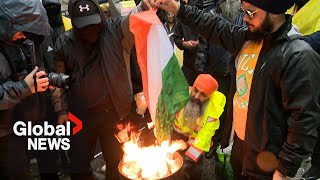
[{"x": 48, "y": 137}]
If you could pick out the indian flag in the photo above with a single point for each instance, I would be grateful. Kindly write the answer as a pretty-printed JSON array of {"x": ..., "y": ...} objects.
[{"x": 164, "y": 85}]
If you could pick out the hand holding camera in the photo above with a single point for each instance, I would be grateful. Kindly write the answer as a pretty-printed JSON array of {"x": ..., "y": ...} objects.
[
  {"x": 39, "y": 81},
  {"x": 42, "y": 82}
]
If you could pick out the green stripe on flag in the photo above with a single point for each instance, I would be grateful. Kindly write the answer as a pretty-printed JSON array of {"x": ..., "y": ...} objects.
[{"x": 173, "y": 97}]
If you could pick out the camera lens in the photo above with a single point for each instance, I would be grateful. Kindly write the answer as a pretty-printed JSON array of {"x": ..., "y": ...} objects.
[{"x": 59, "y": 80}]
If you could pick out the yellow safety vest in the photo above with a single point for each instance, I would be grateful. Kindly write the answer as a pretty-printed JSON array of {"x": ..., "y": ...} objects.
[
  {"x": 208, "y": 125},
  {"x": 307, "y": 19}
]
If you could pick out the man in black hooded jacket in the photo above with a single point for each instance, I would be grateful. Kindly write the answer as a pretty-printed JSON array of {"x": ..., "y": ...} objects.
[
  {"x": 18, "y": 101},
  {"x": 53, "y": 8}
]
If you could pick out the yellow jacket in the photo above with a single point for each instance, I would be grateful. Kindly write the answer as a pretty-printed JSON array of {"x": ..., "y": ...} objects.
[
  {"x": 307, "y": 19},
  {"x": 209, "y": 123}
]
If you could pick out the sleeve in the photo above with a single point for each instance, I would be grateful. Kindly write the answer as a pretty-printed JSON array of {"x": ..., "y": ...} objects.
[
  {"x": 178, "y": 35},
  {"x": 300, "y": 85},
  {"x": 204, "y": 135},
  {"x": 128, "y": 37},
  {"x": 214, "y": 28},
  {"x": 11, "y": 93},
  {"x": 59, "y": 96},
  {"x": 202, "y": 56}
]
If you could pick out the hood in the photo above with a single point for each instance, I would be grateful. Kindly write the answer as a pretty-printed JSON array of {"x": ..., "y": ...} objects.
[
  {"x": 22, "y": 15},
  {"x": 54, "y": 14},
  {"x": 71, "y": 7},
  {"x": 46, "y": 2}
]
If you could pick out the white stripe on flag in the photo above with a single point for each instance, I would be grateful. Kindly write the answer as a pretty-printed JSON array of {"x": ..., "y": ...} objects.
[{"x": 159, "y": 53}]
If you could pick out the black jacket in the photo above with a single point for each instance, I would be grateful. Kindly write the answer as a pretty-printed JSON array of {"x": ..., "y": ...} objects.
[
  {"x": 115, "y": 43},
  {"x": 55, "y": 20},
  {"x": 184, "y": 33},
  {"x": 213, "y": 59},
  {"x": 16, "y": 101},
  {"x": 283, "y": 112}
]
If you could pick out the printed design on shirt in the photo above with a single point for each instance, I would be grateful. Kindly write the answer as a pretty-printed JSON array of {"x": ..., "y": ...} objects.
[
  {"x": 245, "y": 63},
  {"x": 242, "y": 85},
  {"x": 240, "y": 104}
]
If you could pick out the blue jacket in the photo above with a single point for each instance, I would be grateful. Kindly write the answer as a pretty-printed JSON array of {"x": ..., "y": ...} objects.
[{"x": 314, "y": 41}]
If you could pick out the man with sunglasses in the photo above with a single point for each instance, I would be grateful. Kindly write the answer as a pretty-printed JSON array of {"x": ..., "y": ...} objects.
[{"x": 274, "y": 91}]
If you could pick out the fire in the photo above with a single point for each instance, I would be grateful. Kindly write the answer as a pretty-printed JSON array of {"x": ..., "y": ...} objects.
[{"x": 151, "y": 162}]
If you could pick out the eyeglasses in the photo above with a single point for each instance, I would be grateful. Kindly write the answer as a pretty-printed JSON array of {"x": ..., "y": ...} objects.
[{"x": 249, "y": 13}]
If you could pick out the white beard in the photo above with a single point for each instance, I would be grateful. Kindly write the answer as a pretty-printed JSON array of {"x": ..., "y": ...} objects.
[{"x": 191, "y": 113}]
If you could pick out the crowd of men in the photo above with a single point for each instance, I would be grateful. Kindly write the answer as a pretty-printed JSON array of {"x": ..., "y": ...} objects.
[{"x": 254, "y": 85}]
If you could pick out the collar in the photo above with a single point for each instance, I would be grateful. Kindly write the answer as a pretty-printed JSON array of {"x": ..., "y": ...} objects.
[{"x": 287, "y": 31}]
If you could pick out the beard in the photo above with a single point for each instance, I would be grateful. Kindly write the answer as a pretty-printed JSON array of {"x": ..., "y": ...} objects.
[
  {"x": 191, "y": 113},
  {"x": 264, "y": 29},
  {"x": 230, "y": 9}
]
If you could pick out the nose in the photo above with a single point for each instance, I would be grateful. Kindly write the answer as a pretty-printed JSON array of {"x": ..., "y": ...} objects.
[
  {"x": 197, "y": 96},
  {"x": 245, "y": 18}
]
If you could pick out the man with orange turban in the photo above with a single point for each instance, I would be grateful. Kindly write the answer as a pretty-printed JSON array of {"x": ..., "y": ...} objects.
[{"x": 197, "y": 122}]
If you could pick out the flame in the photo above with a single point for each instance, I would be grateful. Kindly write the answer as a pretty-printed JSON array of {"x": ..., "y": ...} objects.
[{"x": 151, "y": 162}]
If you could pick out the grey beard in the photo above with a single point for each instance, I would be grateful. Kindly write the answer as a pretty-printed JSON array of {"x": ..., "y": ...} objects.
[
  {"x": 230, "y": 9},
  {"x": 191, "y": 113}
]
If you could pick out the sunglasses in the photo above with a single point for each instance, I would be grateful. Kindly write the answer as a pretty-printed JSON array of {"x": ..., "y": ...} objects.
[{"x": 249, "y": 13}]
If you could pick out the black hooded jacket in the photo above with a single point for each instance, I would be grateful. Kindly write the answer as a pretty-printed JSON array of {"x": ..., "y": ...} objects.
[
  {"x": 55, "y": 20},
  {"x": 16, "y": 16},
  {"x": 114, "y": 46}
]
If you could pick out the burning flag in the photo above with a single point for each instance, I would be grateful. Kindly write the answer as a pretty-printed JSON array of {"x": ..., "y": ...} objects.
[
  {"x": 164, "y": 85},
  {"x": 153, "y": 162}
]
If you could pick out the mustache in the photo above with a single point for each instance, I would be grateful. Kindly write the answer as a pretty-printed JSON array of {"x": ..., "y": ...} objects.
[
  {"x": 248, "y": 24},
  {"x": 194, "y": 100}
]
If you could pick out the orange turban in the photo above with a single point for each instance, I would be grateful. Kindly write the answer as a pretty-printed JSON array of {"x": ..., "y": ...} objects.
[{"x": 206, "y": 83}]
